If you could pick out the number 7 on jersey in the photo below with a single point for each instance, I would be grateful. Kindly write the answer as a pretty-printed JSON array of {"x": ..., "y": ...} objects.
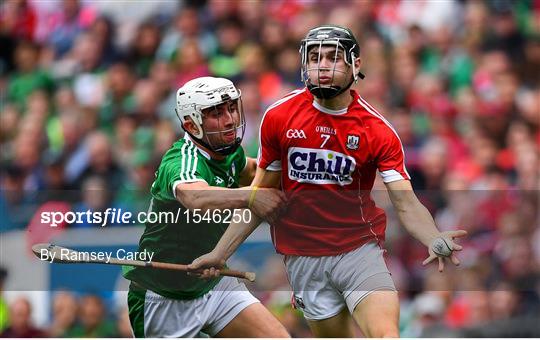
[{"x": 326, "y": 137}]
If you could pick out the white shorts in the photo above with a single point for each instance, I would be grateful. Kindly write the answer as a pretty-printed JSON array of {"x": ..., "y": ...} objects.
[
  {"x": 324, "y": 285},
  {"x": 164, "y": 317}
]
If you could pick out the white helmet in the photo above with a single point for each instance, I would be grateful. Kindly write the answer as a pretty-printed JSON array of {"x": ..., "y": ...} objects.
[{"x": 203, "y": 93}]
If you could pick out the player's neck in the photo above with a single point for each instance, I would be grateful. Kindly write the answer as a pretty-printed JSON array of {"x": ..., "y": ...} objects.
[
  {"x": 211, "y": 154},
  {"x": 339, "y": 102},
  {"x": 214, "y": 155}
]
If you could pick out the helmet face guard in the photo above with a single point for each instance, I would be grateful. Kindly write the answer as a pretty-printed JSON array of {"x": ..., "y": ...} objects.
[
  {"x": 343, "y": 40},
  {"x": 214, "y": 107},
  {"x": 224, "y": 126}
]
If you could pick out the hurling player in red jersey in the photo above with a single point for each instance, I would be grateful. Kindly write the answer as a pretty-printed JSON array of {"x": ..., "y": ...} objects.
[{"x": 324, "y": 145}]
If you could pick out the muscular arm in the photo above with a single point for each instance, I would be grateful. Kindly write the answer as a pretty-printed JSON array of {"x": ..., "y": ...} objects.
[
  {"x": 419, "y": 223},
  {"x": 199, "y": 195},
  {"x": 411, "y": 213},
  {"x": 247, "y": 175},
  {"x": 236, "y": 233}
]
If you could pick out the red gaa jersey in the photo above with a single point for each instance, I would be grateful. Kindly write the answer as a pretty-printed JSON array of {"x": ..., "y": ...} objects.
[{"x": 328, "y": 161}]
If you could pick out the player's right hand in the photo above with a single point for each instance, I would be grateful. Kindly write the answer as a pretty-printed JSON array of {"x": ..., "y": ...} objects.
[
  {"x": 269, "y": 203},
  {"x": 206, "y": 266}
]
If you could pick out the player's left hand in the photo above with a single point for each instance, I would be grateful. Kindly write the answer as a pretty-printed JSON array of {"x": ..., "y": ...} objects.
[
  {"x": 450, "y": 245},
  {"x": 206, "y": 266}
]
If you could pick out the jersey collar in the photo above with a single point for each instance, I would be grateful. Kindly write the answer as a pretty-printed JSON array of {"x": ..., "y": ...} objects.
[
  {"x": 328, "y": 111},
  {"x": 203, "y": 152},
  {"x": 323, "y": 109}
]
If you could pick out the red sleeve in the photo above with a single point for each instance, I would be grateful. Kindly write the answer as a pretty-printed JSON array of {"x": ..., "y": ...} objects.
[
  {"x": 269, "y": 157},
  {"x": 390, "y": 156}
]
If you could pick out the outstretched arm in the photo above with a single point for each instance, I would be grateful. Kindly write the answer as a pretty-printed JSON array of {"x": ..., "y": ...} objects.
[
  {"x": 236, "y": 233},
  {"x": 419, "y": 223},
  {"x": 199, "y": 195}
]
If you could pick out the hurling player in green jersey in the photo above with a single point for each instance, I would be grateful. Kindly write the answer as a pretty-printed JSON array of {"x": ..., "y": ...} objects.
[{"x": 201, "y": 172}]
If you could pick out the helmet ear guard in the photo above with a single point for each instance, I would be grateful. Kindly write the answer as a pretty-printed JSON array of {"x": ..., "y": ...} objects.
[
  {"x": 183, "y": 121},
  {"x": 195, "y": 120}
]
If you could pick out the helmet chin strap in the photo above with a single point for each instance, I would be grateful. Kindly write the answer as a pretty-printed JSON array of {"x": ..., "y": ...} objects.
[
  {"x": 328, "y": 92},
  {"x": 224, "y": 151}
]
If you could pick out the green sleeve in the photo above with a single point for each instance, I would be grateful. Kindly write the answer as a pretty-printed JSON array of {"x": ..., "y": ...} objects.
[{"x": 181, "y": 164}]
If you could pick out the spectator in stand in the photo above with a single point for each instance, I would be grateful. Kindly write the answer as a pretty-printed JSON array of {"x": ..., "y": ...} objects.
[
  {"x": 20, "y": 323},
  {"x": 16, "y": 205},
  {"x": 143, "y": 48},
  {"x": 140, "y": 177},
  {"x": 101, "y": 162},
  {"x": 18, "y": 19},
  {"x": 119, "y": 98},
  {"x": 104, "y": 30},
  {"x": 162, "y": 74},
  {"x": 98, "y": 197},
  {"x": 147, "y": 101},
  {"x": 190, "y": 63},
  {"x": 92, "y": 321},
  {"x": 429, "y": 317},
  {"x": 504, "y": 33},
  {"x": 67, "y": 24},
  {"x": 64, "y": 314},
  {"x": 503, "y": 301},
  {"x": 186, "y": 26},
  {"x": 226, "y": 62},
  {"x": 28, "y": 76}
]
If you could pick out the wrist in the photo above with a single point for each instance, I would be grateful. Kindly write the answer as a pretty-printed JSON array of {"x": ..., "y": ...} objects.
[
  {"x": 240, "y": 199},
  {"x": 251, "y": 198},
  {"x": 221, "y": 253},
  {"x": 433, "y": 237},
  {"x": 244, "y": 196},
  {"x": 428, "y": 240}
]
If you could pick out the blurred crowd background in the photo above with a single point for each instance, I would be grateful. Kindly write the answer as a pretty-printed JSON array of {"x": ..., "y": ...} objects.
[{"x": 87, "y": 110}]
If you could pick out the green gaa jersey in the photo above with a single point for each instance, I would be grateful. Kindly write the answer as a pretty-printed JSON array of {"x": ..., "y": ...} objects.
[{"x": 183, "y": 241}]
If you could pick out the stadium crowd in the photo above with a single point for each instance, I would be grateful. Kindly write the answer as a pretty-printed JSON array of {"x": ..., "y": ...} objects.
[{"x": 87, "y": 110}]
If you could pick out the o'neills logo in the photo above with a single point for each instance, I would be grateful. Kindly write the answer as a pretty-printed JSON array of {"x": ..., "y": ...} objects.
[{"x": 320, "y": 166}]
